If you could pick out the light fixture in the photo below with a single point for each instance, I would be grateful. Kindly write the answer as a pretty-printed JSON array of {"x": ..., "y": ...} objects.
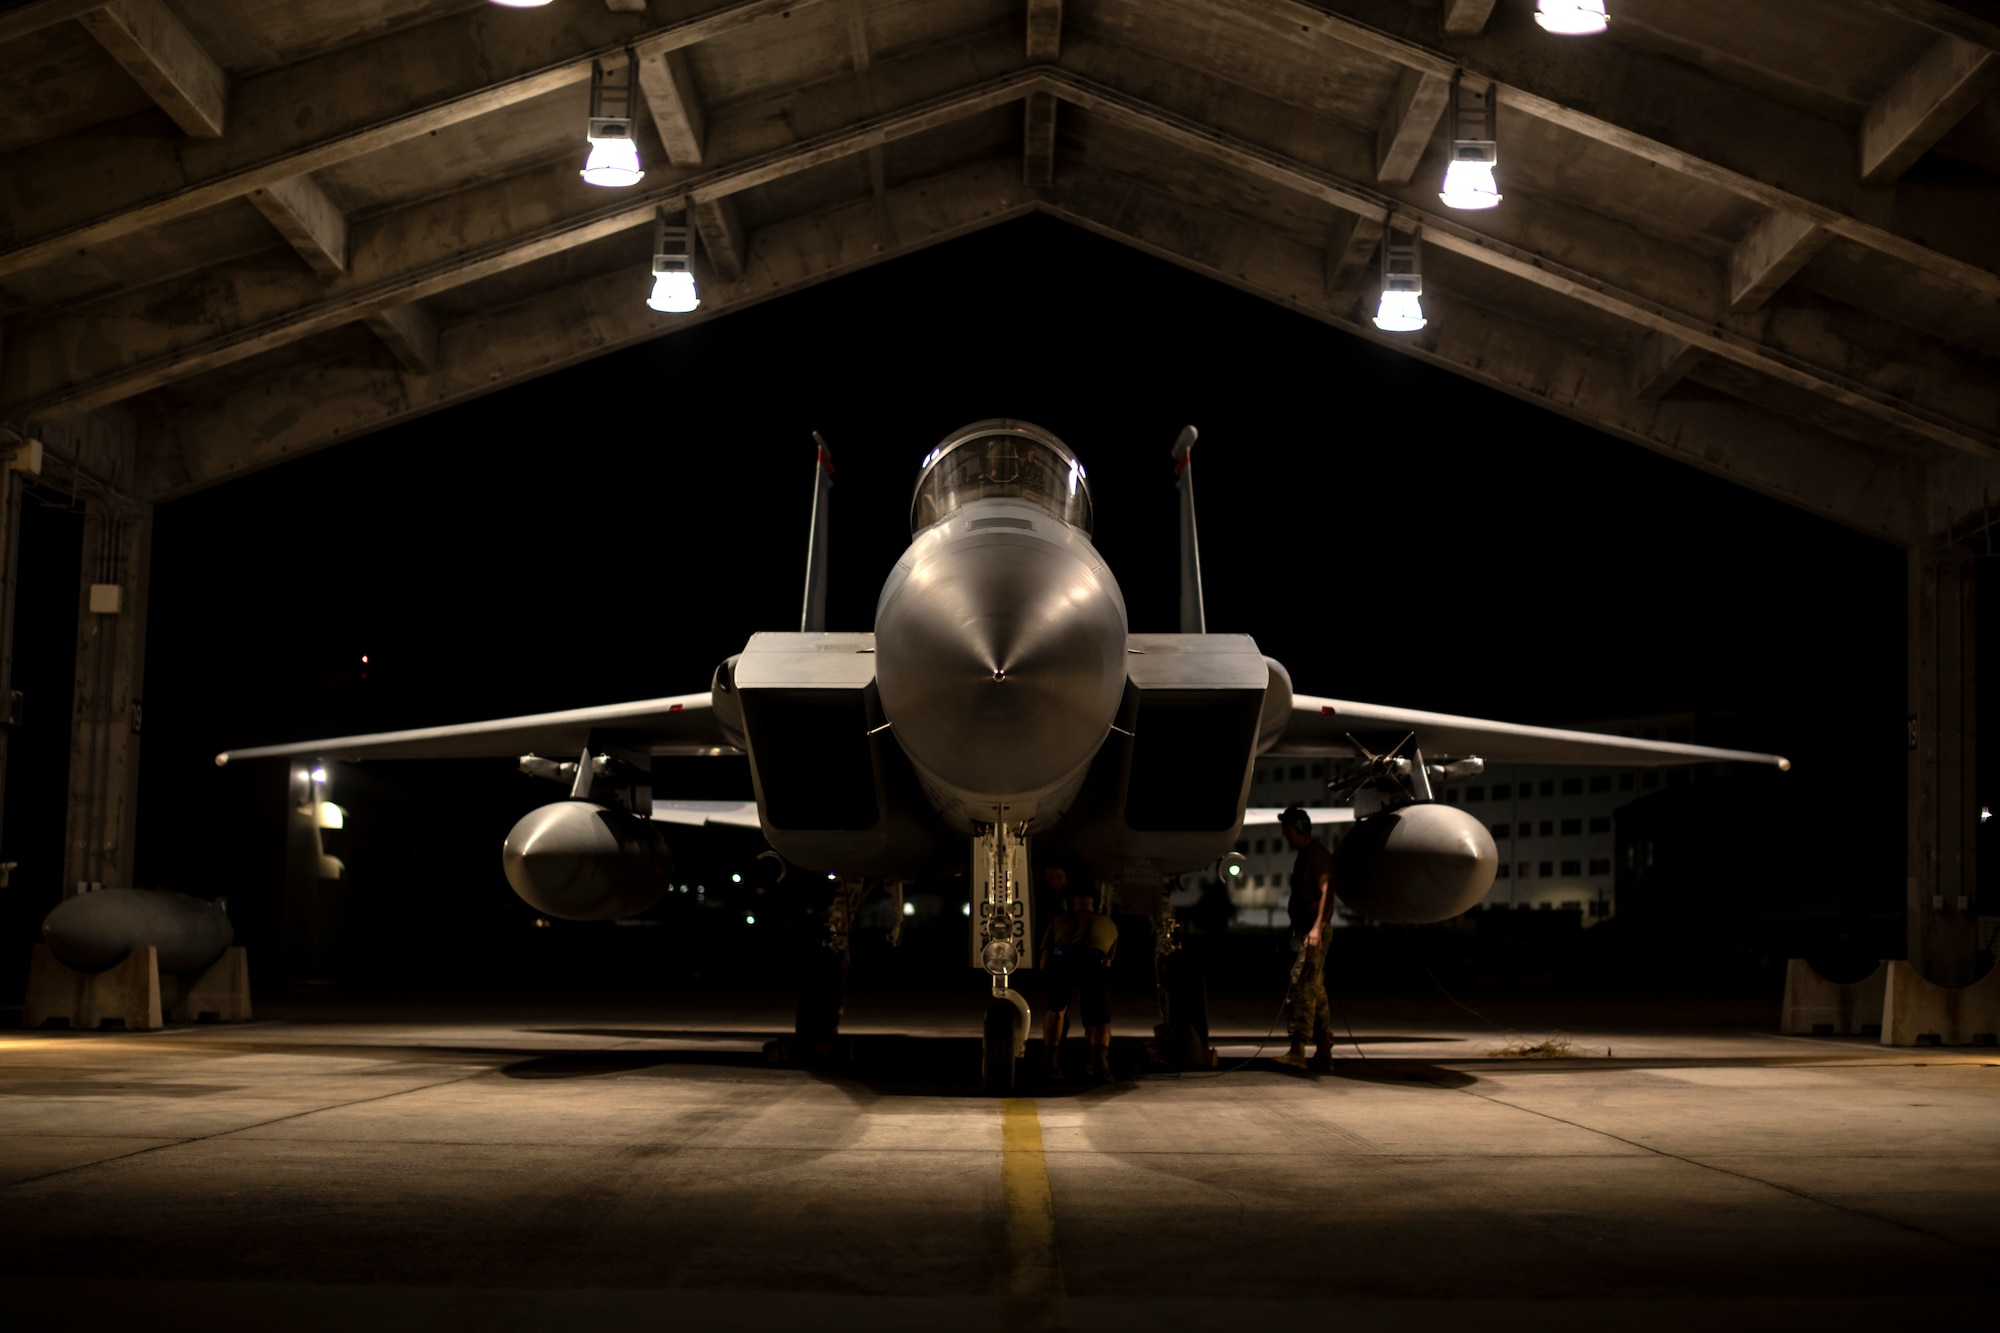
[
  {"x": 909, "y": 909},
  {"x": 673, "y": 281},
  {"x": 1402, "y": 283},
  {"x": 520, "y": 4},
  {"x": 1475, "y": 151},
  {"x": 319, "y": 776},
  {"x": 614, "y": 158},
  {"x": 1572, "y": 18}
]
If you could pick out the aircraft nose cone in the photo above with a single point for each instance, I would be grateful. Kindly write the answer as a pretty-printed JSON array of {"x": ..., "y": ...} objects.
[{"x": 1001, "y": 665}]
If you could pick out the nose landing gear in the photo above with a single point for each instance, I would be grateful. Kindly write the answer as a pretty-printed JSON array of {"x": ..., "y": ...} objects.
[{"x": 1001, "y": 935}]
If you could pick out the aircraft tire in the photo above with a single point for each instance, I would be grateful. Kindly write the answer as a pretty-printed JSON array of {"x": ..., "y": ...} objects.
[{"x": 996, "y": 1050}]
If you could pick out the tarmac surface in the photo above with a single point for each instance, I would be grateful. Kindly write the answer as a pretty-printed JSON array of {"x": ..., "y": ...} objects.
[{"x": 613, "y": 1166}]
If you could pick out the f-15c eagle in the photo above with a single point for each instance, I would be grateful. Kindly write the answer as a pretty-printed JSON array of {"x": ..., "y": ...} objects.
[{"x": 1001, "y": 700}]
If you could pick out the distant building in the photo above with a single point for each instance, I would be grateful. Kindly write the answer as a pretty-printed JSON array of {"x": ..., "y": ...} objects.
[{"x": 1552, "y": 826}]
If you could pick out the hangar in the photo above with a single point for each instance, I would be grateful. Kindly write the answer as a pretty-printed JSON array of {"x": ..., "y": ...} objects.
[{"x": 1758, "y": 240}]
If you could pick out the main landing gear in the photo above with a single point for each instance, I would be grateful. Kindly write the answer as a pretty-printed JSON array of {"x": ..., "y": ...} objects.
[{"x": 1001, "y": 938}]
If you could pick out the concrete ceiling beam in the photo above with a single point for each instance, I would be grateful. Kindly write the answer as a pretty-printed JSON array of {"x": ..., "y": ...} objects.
[
  {"x": 1921, "y": 106},
  {"x": 57, "y": 199},
  {"x": 669, "y": 93},
  {"x": 1672, "y": 116},
  {"x": 1351, "y": 256},
  {"x": 720, "y": 226},
  {"x": 1940, "y": 16},
  {"x": 303, "y": 214},
  {"x": 165, "y": 60},
  {"x": 239, "y": 433},
  {"x": 1869, "y": 490},
  {"x": 32, "y": 16},
  {"x": 1464, "y": 18},
  {"x": 1447, "y": 233},
  {"x": 1044, "y": 31},
  {"x": 1409, "y": 125},
  {"x": 1038, "y": 139},
  {"x": 1766, "y": 259},
  {"x": 1660, "y": 362},
  {"x": 119, "y": 348},
  {"x": 409, "y": 333}
]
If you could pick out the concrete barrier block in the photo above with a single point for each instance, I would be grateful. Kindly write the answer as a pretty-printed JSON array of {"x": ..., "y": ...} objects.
[
  {"x": 219, "y": 993},
  {"x": 1917, "y": 1013},
  {"x": 127, "y": 995},
  {"x": 1815, "y": 1006}
]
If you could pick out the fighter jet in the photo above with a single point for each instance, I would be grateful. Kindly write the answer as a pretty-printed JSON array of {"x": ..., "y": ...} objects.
[{"x": 1002, "y": 703}]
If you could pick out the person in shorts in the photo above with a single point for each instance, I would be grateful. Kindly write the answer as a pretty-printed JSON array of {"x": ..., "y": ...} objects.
[{"x": 1075, "y": 957}]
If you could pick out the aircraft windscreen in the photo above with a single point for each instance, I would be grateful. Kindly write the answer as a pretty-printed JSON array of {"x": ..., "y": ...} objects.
[{"x": 1001, "y": 465}]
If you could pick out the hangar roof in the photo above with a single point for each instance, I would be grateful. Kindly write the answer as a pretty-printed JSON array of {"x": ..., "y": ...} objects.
[{"x": 1759, "y": 238}]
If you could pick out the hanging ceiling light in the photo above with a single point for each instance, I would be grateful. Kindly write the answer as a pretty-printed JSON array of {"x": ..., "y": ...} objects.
[
  {"x": 521, "y": 4},
  {"x": 1402, "y": 283},
  {"x": 1572, "y": 18},
  {"x": 614, "y": 158},
  {"x": 673, "y": 280},
  {"x": 1475, "y": 151}
]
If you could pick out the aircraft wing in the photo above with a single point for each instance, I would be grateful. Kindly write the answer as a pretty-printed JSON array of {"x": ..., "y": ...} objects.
[
  {"x": 1322, "y": 726},
  {"x": 682, "y": 725},
  {"x": 736, "y": 814}
]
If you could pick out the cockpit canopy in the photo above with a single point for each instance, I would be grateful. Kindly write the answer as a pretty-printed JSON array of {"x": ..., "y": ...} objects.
[{"x": 1001, "y": 459}]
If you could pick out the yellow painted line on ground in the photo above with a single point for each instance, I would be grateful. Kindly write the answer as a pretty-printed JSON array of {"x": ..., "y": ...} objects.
[{"x": 1034, "y": 1268}]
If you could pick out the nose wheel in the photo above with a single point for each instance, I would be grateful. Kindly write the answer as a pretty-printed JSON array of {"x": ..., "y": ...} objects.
[{"x": 1002, "y": 1042}]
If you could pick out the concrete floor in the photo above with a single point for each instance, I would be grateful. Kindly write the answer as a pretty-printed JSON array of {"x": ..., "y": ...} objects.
[{"x": 615, "y": 1167}]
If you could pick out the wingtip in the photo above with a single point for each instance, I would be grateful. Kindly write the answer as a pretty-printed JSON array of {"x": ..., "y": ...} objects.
[
  {"x": 1784, "y": 764},
  {"x": 222, "y": 760}
]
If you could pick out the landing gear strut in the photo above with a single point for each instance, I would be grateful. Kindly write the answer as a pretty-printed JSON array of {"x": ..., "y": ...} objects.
[
  {"x": 1001, "y": 935},
  {"x": 823, "y": 982}
]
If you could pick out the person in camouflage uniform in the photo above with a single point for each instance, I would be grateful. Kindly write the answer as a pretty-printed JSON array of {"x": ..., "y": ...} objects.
[{"x": 1307, "y": 1014}]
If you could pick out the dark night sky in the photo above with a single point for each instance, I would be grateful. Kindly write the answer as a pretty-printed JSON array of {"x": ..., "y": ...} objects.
[{"x": 1391, "y": 532}]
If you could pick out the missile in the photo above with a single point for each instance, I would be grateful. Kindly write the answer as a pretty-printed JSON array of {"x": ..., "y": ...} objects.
[{"x": 93, "y": 931}]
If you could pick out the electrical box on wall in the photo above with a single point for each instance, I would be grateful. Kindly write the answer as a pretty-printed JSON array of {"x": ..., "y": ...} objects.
[{"x": 105, "y": 598}]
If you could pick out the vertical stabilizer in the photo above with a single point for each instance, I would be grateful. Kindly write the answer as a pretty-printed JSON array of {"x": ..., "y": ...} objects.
[
  {"x": 813, "y": 618},
  {"x": 1194, "y": 620}
]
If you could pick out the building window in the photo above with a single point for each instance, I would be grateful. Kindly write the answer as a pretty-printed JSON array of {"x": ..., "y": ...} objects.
[
  {"x": 1298, "y": 772},
  {"x": 1501, "y": 873},
  {"x": 1600, "y": 865},
  {"x": 1475, "y": 793},
  {"x": 1527, "y": 869},
  {"x": 1600, "y": 782},
  {"x": 1319, "y": 770},
  {"x": 1548, "y": 787},
  {"x": 1450, "y": 797},
  {"x": 1652, "y": 779},
  {"x": 1548, "y": 870},
  {"x": 1572, "y": 868},
  {"x": 1572, "y": 786},
  {"x": 1544, "y": 906},
  {"x": 1600, "y": 823},
  {"x": 1499, "y": 832},
  {"x": 1244, "y": 847},
  {"x": 1260, "y": 852},
  {"x": 1548, "y": 828},
  {"x": 1624, "y": 782},
  {"x": 1502, "y": 792},
  {"x": 1572, "y": 905},
  {"x": 1572, "y": 827}
]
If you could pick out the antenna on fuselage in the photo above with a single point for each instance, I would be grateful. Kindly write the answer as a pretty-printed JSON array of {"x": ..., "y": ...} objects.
[
  {"x": 812, "y": 620},
  {"x": 1194, "y": 619}
]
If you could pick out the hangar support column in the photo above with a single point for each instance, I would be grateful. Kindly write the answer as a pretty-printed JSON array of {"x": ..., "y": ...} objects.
[
  {"x": 1943, "y": 731},
  {"x": 110, "y": 668}
]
